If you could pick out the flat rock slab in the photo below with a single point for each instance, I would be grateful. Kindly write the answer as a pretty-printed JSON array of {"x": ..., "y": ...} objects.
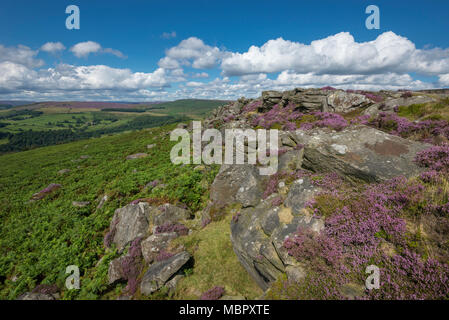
[
  {"x": 160, "y": 272},
  {"x": 359, "y": 153}
]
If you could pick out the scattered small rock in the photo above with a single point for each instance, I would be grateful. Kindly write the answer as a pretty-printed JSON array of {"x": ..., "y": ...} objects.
[
  {"x": 102, "y": 201},
  {"x": 136, "y": 156},
  {"x": 80, "y": 204},
  {"x": 44, "y": 192}
]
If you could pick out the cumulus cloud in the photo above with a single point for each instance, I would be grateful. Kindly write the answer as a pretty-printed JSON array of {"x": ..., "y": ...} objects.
[
  {"x": 388, "y": 62},
  {"x": 53, "y": 47},
  {"x": 169, "y": 63},
  {"x": 444, "y": 79},
  {"x": 72, "y": 78},
  {"x": 21, "y": 54},
  {"x": 83, "y": 49},
  {"x": 193, "y": 52},
  {"x": 338, "y": 54}
]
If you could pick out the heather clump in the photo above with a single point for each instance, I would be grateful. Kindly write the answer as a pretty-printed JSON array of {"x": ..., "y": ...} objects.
[
  {"x": 371, "y": 96},
  {"x": 179, "y": 228},
  {"x": 252, "y": 106},
  {"x": 363, "y": 224},
  {"x": 430, "y": 176},
  {"x": 213, "y": 294},
  {"x": 424, "y": 130},
  {"x": 132, "y": 265},
  {"x": 434, "y": 158},
  {"x": 326, "y": 181},
  {"x": 289, "y": 118},
  {"x": 164, "y": 255},
  {"x": 326, "y": 120},
  {"x": 277, "y": 116},
  {"x": 277, "y": 201},
  {"x": 109, "y": 236},
  {"x": 272, "y": 185},
  {"x": 229, "y": 118}
]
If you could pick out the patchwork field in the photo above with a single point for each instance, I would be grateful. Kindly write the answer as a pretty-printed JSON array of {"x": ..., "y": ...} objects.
[{"x": 86, "y": 119}]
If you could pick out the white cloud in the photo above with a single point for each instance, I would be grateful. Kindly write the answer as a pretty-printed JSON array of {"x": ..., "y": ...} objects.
[
  {"x": 115, "y": 52},
  {"x": 83, "y": 49},
  {"x": 168, "y": 35},
  {"x": 168, "y": 63},
  {"x": 444, "y": 79},
  {"x": 338, "y": 54},
  {"x": 200, "y": 75},
  {"x": 21, "y": 55},
  {"x": 52, "y": 47},
  {"x": 194, "y": 52},
  {"x": 387, "y": 62},
  {"x": 68, "y": 77}
]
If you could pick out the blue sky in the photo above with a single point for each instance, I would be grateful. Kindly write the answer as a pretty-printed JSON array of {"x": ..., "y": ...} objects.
[{"x": 165, "y": 50}]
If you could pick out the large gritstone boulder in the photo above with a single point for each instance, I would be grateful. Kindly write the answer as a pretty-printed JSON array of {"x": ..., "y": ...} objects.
[
  {"x": 129, "y": 223},
  {"x": 258, "y": 234},
  {"x": 236, "y": 184},
  {"x": 359, "y": 153}
]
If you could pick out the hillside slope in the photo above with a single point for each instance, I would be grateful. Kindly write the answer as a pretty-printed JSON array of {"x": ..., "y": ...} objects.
[
  {"x": 39, "y": 239},
  {"x": 362, "y": 181}
]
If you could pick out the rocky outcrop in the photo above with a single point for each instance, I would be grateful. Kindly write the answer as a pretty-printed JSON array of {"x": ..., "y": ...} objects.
[
  {"x": 160, "y": 272},
  {"x": 304, "y": 99},
  {"x": 359, "y": 153},
  {"x": 341, "y": 101}
]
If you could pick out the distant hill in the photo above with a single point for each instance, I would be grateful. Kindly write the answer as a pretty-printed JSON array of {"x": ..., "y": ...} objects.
[
  {"x": 8, "y": 104},
  {"x": 78, "y": 105},
  {"x": 193, "y": 108}
]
